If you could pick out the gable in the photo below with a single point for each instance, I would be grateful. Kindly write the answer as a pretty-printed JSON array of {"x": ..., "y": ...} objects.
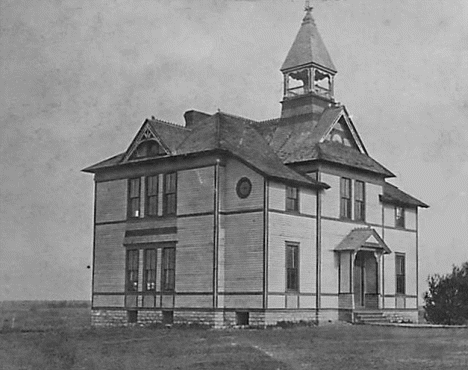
[
  {"x": 342, "y": 131},
  {"x": 146, "y": 144}
]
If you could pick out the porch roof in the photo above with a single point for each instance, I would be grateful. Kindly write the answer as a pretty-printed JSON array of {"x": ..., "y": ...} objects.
[{"x": 362, "y": 238}]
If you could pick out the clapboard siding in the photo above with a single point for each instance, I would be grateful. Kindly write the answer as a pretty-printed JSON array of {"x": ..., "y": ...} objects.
[
  {"x": 290, "y": 228},
  {"x": 243, "y": 254},
  {"x": 195, "y": 191},
  {"x": 194, "y": 301},
  {"x": 277, "y": 196},
  {"x": 243, "y": 301},
  {"x": 410, "y": 218},
  {"x": 233, "y": 172},
  {"x": 373, "y": 205},
  {"x": 194, "y": 254},
  {"x": 333, "y": 232},
  {"x": 109, "y": 259},
  {"x": 307, "y": 201},
  {"x": 331, "y": 197},
  {"x": 111, "y": 201},
  {"x": 400, "y": 241},
  {"x": 108, "y": 301}
]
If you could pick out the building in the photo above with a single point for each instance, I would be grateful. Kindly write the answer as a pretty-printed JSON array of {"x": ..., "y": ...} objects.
[{"x": 229, "y": 221}]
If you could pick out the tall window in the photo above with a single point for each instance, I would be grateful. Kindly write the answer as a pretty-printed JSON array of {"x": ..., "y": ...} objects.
[
  {"x": 132, "y": 270},
  {"x": 399, "y": 217},
  {"x": 170, "y": 194},
  {"x": 292, "y": 199},
  {"x": 133, "y": 207},
  {"x": 168, "y": 269},
  {"x": 345, "y": 201},
  {"x": 149, "y": 272},
  {"x": 400, "y": 274},
  {"x": 359, "y": 201},
  {"x": 151, "y": 196},
  {"x": 292, "y": 267}
]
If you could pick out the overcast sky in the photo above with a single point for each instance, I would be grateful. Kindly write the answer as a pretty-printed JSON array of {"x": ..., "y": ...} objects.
[{"x": 78, "y": 77}]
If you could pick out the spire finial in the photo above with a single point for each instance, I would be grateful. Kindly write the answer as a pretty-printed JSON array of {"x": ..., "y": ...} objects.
[{"x": 307, "y": 7}]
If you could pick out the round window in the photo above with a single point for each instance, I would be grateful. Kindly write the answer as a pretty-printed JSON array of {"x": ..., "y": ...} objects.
[{"x": 244, "y": 187}]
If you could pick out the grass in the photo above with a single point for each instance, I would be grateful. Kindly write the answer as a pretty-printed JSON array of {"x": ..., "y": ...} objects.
[{"x": 340, "y": 346}]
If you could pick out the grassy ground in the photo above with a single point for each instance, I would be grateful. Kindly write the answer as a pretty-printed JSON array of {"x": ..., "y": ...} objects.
[{"x": 325, "y": 347}]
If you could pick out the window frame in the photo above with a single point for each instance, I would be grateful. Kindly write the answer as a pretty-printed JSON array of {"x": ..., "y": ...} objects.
[
  {"x": 168, "y": 195},
  {"x": 400, "y": 221},
  {"x": 132, "y": 270},
  {"x": 400, "y": 273},
  {"x": 292, "y": 286},
  {"x": 168, "y": 267},
  {"x": 150, "y": 265},
  {"x": 131, "y": 199},
  {"x": 294, "y": 201},
  {"x": 149, "y": 197},
  {"x": 345, "y": 202},
  {"x": 360, "y": 204}
]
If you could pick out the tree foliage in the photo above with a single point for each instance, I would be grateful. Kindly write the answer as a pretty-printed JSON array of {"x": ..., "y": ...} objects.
[{"x": 446, "y": 302}]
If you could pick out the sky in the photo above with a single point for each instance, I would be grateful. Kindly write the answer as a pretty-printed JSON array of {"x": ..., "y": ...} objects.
[{"x": 78, "y": 78}]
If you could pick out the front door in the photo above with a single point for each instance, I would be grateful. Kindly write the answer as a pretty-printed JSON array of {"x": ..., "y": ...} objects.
[{"x": 365, "y": 280}]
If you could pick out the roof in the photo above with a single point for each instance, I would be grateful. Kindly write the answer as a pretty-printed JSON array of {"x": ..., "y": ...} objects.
[
  {"x": 308, "y": 47},
  {"x": 238, "y": 136},
  {"x": 170, "y": 134},
  {"x": 394, "y": 195},
  {"x": 362, "y": 237}
]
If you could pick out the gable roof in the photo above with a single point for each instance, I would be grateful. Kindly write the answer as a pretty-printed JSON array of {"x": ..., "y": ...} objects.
[
  {"x": 308, "y": 47},
  {"x": 394, "y": 195},
  {"x": 359, "y": 238}
]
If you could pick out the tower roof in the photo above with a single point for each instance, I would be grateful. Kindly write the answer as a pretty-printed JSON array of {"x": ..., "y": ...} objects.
[{"x": 308, "y": 47}]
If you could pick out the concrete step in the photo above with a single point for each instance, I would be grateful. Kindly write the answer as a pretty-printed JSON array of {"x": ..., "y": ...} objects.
[{"x": 370, "y": 317}]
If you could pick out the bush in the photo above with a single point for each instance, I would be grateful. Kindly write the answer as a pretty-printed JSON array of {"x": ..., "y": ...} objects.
[{"x": 446, "y": 302}]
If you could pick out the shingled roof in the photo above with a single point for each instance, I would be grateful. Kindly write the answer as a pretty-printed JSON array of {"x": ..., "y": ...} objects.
[
  {"x": 308, "y": 47},
  {"x": 359, "y": 238},
  {"x": 394, "y": 195}
]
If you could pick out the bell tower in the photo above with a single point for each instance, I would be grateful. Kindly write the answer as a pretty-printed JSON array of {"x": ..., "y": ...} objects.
[{"x": 308, "y": 72}]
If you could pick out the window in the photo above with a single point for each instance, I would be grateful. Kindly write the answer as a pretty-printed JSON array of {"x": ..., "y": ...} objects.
[
  {"x": 149, "y": 272},
  {"x": 345, "y": 201},
  {"x": 151, "y": 196},
  {"x": 400, "y": 274},
  {"x": 133, "y": 207},
  {"x": 292, "y": 199},
  {"x": 168, "y": 269},
  {"x": 170, "y": 194},
  {"x": 399, "y": 217},
  {"x": 132, "y": 270},
  {"x": 292, "y": 267},
  {"x": 359, "y": 201}
]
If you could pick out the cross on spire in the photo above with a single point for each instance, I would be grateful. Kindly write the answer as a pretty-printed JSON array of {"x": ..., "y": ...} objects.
[{"x": 307, "y": 7}]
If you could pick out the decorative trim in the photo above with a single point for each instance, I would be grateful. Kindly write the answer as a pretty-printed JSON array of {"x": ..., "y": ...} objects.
[
  {"x": 291, "y": 213},
  {"x": 253, "y": 210},
  {"x": 242, "y": 192},
  {"x": 109, "y": 222},
  {"x": 195, "y": 214},
  {"x": 146, "y": 232}
]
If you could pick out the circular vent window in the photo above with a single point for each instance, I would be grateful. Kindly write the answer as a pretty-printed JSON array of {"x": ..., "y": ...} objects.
[{"x": 244, "y": 187}]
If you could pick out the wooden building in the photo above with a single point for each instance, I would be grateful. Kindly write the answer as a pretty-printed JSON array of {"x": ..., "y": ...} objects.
[{"x": 230, "y": 221}]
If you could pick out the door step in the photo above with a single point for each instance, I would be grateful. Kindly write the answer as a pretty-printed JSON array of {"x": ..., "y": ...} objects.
[{"x": 370, "y": 317}]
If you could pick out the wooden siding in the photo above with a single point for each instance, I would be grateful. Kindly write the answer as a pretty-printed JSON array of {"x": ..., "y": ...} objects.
[
  {"x": 109, "y": 259},
  {"x": 194, "y": 301},
  {"x": 232, "y": 173},
  {"x": 111, "y": 201},
  {"x": 400, "y": 241},
  {"x": 291, "y": 228},
  {"x": 307, "y": 201},
  {"x": 373, "y": 205},
  {"x": 410, "y": 218},
  {"x": 109, "y": 301},
  {"x": 194, "y": 254},
  {"x": 243, "y": 255},
  {"x": 277, "y": 196},
  {"x": 331, "y": 197},
  {"x": 333, "y": 232},
  {"x": 195, "y": 191},
  {"x": 243, "y": 301}
]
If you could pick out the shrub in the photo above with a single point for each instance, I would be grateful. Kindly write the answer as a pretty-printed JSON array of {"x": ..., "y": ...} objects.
[{"x": 446, "y": 302}]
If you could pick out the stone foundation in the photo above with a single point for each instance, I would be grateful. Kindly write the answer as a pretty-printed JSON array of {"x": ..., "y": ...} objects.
[{"x": 215, "y": 319}]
